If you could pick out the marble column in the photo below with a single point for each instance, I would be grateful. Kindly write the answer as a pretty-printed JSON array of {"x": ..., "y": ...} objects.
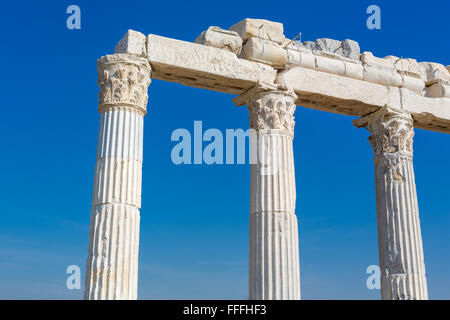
[
  {"x": 112, "y": 264},
  {"x": 274, "y": 271},
  {"x": 399, "y": 236}
]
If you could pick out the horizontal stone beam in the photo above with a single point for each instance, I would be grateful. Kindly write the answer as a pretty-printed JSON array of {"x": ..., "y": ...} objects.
[
  {"x": 327, "y": 81},
  {"x": 201, "y": 66},
  {"x": 348, "y": 96}
]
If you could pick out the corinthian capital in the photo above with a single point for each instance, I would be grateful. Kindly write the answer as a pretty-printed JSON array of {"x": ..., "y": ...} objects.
[
  {"x": 392, "y": 131},
  {"x": 270, "y": 107},
  {"x": 123, "y": 80}
]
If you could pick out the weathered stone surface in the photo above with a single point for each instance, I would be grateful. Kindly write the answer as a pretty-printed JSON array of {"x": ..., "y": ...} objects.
[
  {"x": 394, "y": 99},
  {"x": 412, "y": 83},
  {"x": 298, "y": 55},
  {"x": 112, "y": 264},
  {"x": 428, "y": 113},
  {"x": 123, "y": 80},
  {"x": 401, "y": 257},
  {"x": 303, "y": 56},
  {"x": 212, "y": 68},
  {"x": 206, "y": 67},
  {"x": 273, "y": 222},
  {"x": 347, "y": 48},
  {"x": 387, "y": 77},
  {"x": 326, "y": 75},
  {"x": 393, "y": 71},
  {"x": 380, "y": 70},
  {"x": 132, "y": 43},
  {"x": 350, "y": 49},
  {"x": 370, "y": 60},
  {"x": 330, "y": 65},
  {"x": 215, "y": 69},
  {"x": 329, "y": 45},
  {"x": 343, "y": 95},
  {"x": 408, "y": 66},
  {"x": 354, "y": 70},
  {"x": 264, "y": 51},
  {"x": 333, "y": 93},
  {"x": 311, "y": 45},
  {"x": 438, "y": 90},
  {"x": 222, "y": 39},
  {"x": 434, "y": 72},
  {"x": 410, "y": 71},
  {"x": 260, "y": 28}
]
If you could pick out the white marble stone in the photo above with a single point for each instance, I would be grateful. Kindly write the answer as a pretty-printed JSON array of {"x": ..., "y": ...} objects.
[
  {"x": 260, "y": 28},
  {"x": 330, "y": 65},
  {"x": 132, "y": 43},
  {"x": 386, "y": 77},
  {"x": 264, "y": 51},
  {"x": 112, "y": 264},
  {"x": 350, "y": 49},
  {"x": 399, "y": 236},
  {"x": 274, "y": 269},
  {"x": 205, "y": 67},
  {"x": 407, "y": 66},
  {"x": 334, "y": 93},
  {"x": 438, "y": 90},
  {"x": 222, "y": 39},
  {"x": 327, "y": 75},
  {"x": 428, "y": 113},
  {"x": 332, "y": 88},
  {"x": 325, "y": 61},
  {"x": 347, "y": 48},
  {"x": 298, "y": 55},
  {"x": 367, "y": 58},
  {"x": 434, "y": 72},
  {"x": 413, "y": 84}
]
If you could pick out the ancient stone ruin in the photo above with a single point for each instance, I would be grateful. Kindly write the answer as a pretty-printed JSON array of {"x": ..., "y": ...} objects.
[{"x": 271, "y": 75}]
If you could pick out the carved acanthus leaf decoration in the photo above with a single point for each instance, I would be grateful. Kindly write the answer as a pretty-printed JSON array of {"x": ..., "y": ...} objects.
[
  {"x": 272, "y": 110},
  {"x": 123, "y": 81},
  {"x": 392, "y": 131}
]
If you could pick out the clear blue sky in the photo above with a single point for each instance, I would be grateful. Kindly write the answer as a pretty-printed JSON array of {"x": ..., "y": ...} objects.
[{"x": 194, "y": 219}]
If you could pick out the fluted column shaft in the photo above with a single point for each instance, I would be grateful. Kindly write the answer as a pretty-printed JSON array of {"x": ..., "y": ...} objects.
[
  {"x": 274, "y": 271},
  {"x": 399, "y": 236},
  {"x": 112, "y": 264}
]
